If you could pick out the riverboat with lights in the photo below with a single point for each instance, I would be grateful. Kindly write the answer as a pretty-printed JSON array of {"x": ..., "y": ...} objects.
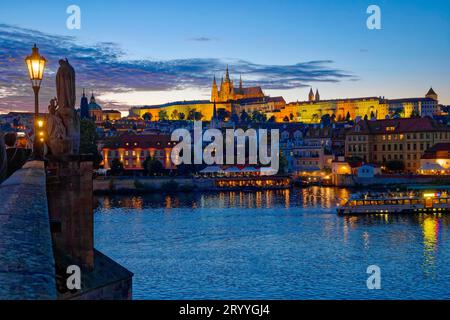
[{"x": 429, "y": 203}]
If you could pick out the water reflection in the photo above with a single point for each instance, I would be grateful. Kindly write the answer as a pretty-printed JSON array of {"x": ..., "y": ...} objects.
[{"x": 297, "y": 239}]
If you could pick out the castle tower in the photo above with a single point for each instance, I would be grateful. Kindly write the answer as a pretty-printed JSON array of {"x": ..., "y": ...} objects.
[
  {"x": 215, "y": 91},
  {"x": 226, "y": 88},
  {"x": 432, "y": 94},
  {"x": 84, "y": 107},
  {"x": 317, "y": 95},
  {"x": 311, "y": 95}
]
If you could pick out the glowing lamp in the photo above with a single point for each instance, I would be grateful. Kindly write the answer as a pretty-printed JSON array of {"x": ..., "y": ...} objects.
[{"x": 36, "y": 65}]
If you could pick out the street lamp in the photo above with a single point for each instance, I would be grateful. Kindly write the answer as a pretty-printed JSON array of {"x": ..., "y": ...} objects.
[{"x": 36, "y": 65}]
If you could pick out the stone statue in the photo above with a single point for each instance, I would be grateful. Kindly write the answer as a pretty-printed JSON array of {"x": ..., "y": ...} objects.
[
  {"x": 66, "y": 95},
  {"x": 56, "y": 132}
]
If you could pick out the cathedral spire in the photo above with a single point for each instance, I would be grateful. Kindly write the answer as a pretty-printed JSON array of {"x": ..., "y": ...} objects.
[
  {"x": 317, "y": 98},
  {"x": 240, "y": 82},
  {"x": 311, "y": 95},
  {"x": 215, "y": 90},
  {"x": 227, "y": 75}
]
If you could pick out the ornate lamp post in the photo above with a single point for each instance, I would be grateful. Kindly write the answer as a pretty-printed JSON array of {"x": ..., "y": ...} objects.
[{"x": 36, "y": 65}]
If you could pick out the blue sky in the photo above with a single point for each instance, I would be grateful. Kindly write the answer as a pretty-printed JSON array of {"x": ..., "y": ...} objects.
[{"x": 146, "y": 52}]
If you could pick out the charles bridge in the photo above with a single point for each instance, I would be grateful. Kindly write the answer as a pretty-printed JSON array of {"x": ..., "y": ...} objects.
[{"x": 46, "y": 225}]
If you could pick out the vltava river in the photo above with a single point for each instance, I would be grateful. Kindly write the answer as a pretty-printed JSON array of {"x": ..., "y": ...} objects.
[{"x": 271, "y": 245}]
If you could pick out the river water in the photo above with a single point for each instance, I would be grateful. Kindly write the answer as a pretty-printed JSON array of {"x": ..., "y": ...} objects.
[{"x": 271, "y": 245}]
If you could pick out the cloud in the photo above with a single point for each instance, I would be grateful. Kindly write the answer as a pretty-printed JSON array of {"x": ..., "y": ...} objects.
[{"x": 103, "y": 67}]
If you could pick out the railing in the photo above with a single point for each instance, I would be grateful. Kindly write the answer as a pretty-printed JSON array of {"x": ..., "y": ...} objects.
[{"x": 27, "y": 270}]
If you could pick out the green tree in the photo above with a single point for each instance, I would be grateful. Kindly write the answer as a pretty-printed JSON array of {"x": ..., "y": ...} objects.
[
  {"x": 258, "y": 117},
  {"x": 163, "y": 116},
  {"x": 198, "y": 116},
  {"x": 88, "y": 141},
  {"x": 147, "y": 116},
  {"x": 181, "y": 116}
]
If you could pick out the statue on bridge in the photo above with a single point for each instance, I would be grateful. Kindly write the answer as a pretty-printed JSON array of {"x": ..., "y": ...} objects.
[{"x": 70, "y": 120}]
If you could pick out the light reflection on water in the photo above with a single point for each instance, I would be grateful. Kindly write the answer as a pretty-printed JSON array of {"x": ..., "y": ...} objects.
[{"x": 286, "y": 244}]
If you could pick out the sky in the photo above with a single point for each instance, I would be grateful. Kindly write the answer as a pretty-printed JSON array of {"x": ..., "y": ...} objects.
[{"x": 140, "y": 52}]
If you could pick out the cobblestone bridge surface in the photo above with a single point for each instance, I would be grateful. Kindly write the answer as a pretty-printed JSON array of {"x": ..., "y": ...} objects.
[{"x": 27, "y": 269}]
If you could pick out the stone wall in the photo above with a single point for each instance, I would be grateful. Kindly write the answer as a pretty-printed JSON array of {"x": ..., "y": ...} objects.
[{"x": 27, "y": 267}]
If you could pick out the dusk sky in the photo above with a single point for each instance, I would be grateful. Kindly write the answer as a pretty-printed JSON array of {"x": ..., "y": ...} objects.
[{"x": 150, "y": 52}]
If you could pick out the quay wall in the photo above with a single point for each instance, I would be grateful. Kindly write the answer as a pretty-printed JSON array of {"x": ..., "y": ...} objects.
[
  {"x": 381, "y": 180},
  {"x": 27, "y": 264},
  {"x": 117, "y": 184}
]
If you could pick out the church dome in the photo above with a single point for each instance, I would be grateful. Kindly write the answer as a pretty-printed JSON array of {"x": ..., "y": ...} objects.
[{"x": 93, "y": 105}]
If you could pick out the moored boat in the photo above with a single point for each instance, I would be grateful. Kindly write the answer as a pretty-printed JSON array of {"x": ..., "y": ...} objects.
[{"x": 410, "y": 204}]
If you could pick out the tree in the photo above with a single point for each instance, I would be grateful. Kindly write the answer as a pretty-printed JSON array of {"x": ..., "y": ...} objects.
[
  {"x": 194, "y": 115},
  {"x": 286, "y": 119},
  {"x": 258, "y": 117},
  {"x": 315, "y": 117},
  {"x": 147, "y": 116},
  {"x": 283, "y": 165},
  {"x": 291, "y": 117},
  {"x": 116, "y": 167},
  {"x": 223, "y": 114},
  {"x": 245, "y": 117},
  {"x": 348, "y": 117},
  {"x": 174, "y": 115},
  {"x": 326, "y": 120},
  {"x": 152, "y": 166},
  {"x": 163, "y": 116},
  {"x": 198, "y": 116},
  {"x": 235, "y": 118},
  {"x": 181, "y": 116},
  {"x": 88, "y": 141},
  {"x": 272, "y": 119},
  {"x": 372, "y": 115}
]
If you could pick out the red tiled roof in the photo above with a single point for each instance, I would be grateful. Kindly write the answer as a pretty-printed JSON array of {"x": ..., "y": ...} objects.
[
  {"x": 398, "y": 125},
  {"x": 144, "y": 141}
]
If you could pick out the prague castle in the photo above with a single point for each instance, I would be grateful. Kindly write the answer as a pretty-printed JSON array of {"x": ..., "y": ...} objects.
[{"x": 249, "y": 99}]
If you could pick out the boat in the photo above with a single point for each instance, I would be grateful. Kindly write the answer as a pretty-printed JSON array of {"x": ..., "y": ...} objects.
[{"x": 428, "y": 203}]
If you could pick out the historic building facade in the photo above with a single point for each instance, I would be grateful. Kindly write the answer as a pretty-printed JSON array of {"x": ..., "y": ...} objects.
[
  {"x": 132, "y": 150},
  {"x": 404, "y": 140}
]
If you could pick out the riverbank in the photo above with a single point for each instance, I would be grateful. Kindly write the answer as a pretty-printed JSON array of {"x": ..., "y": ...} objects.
[{"x": 145, "y": 185}]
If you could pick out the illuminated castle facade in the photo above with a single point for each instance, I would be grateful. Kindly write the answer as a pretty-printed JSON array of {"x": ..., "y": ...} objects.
[
  {"x": 229, "y": 93},
  {"x": 239, "y": 99}
]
